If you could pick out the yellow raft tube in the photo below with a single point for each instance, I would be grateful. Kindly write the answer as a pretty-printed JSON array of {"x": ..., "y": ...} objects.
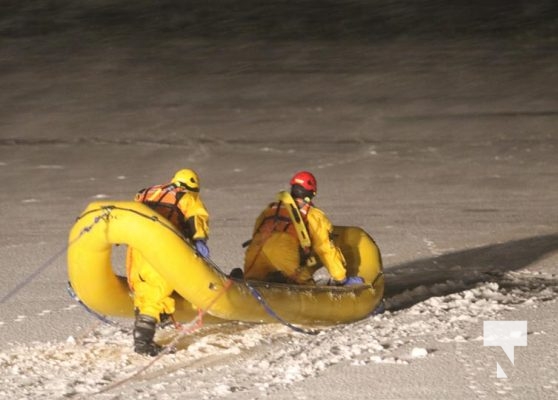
[{"x": 201, "y": 285}]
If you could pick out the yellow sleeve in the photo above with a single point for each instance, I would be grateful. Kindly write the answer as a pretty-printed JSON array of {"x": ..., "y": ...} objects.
[
  {"x": 192, "y": 206},
  {"x": 320, "y": 229}
]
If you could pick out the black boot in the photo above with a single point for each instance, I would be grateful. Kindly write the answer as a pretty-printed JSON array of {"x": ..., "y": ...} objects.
[{"x": 144, "y": 331}]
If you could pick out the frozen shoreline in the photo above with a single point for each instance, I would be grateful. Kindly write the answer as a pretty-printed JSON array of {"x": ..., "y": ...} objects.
[{"x": 246, "y": 361}]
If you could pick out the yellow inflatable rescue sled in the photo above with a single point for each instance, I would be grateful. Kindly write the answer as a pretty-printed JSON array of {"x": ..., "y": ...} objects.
[{"x": 199, "y": 284}]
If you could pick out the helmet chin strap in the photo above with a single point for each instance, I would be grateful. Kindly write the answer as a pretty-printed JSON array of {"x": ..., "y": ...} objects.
[{"x": 185, "y": 186}]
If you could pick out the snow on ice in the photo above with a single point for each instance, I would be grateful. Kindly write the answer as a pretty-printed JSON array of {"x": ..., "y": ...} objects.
[{"x": 240, "y": 356}]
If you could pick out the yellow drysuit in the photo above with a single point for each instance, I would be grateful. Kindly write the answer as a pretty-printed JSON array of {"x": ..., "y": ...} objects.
[
  {"x": 187, "y": 212},
  {"x": 276, "y": 248}
]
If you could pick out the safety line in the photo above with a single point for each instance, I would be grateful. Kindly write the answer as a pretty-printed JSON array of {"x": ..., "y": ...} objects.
[
  {"x": 154, "y": 218},
  {"x": 101, "y": 317},
  {"x": 49, "y": 262},
  {"x": 193, "y": 326},
  {"x": 258, "y": 296}
]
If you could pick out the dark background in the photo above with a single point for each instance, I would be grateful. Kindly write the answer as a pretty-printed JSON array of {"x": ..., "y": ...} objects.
[{"x": 361, "y": 21}]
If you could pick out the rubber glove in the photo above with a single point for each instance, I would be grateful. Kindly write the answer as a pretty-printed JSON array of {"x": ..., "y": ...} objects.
[
  {"x": 353, "y": 280},
  {"x": 201, "y": 248}
]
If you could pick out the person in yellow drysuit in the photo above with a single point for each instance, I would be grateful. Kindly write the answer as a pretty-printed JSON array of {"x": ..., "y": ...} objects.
[
  {"x": 275, "y": 254},
  {"x": 178, "y": 201}
]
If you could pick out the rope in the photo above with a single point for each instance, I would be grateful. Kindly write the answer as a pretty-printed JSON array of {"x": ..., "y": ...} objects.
[
  {"x": 70, "y": 289},
  {"x": 258, "y": 296},
  {"x": 192, "y": 326},
  {"x": 154, "y": 218},
  {"x": 50, "y": 261},
  {"x": 101, "y": 317}
]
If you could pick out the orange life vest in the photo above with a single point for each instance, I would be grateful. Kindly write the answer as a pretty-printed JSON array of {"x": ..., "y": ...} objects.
[{"x": 164, "y": 200}]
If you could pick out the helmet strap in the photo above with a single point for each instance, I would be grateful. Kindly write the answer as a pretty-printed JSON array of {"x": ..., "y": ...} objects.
[{"x": 185, "y": 186}]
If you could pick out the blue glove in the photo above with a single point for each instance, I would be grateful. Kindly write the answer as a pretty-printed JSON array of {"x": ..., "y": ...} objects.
[
  {"x": 352, "y": 280},
  {"x": 201, "y": 248}
]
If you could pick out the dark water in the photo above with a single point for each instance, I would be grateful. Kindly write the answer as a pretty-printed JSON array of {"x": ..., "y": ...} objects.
[
  {"x": 170, "y": 70},
  {"x": 282, "y": 20}
]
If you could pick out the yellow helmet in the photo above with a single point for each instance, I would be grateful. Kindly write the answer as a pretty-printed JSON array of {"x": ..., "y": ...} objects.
[{"x": 188, "y": 179}]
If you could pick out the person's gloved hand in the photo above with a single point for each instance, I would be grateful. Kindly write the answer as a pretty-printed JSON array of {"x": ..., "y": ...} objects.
[
  {"x": 352, "y": 280},
  {"x": 201, "y": 248}
]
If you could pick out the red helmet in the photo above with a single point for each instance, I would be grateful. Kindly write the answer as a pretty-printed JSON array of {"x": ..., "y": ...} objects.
[{"x": 306, "y": 180}]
